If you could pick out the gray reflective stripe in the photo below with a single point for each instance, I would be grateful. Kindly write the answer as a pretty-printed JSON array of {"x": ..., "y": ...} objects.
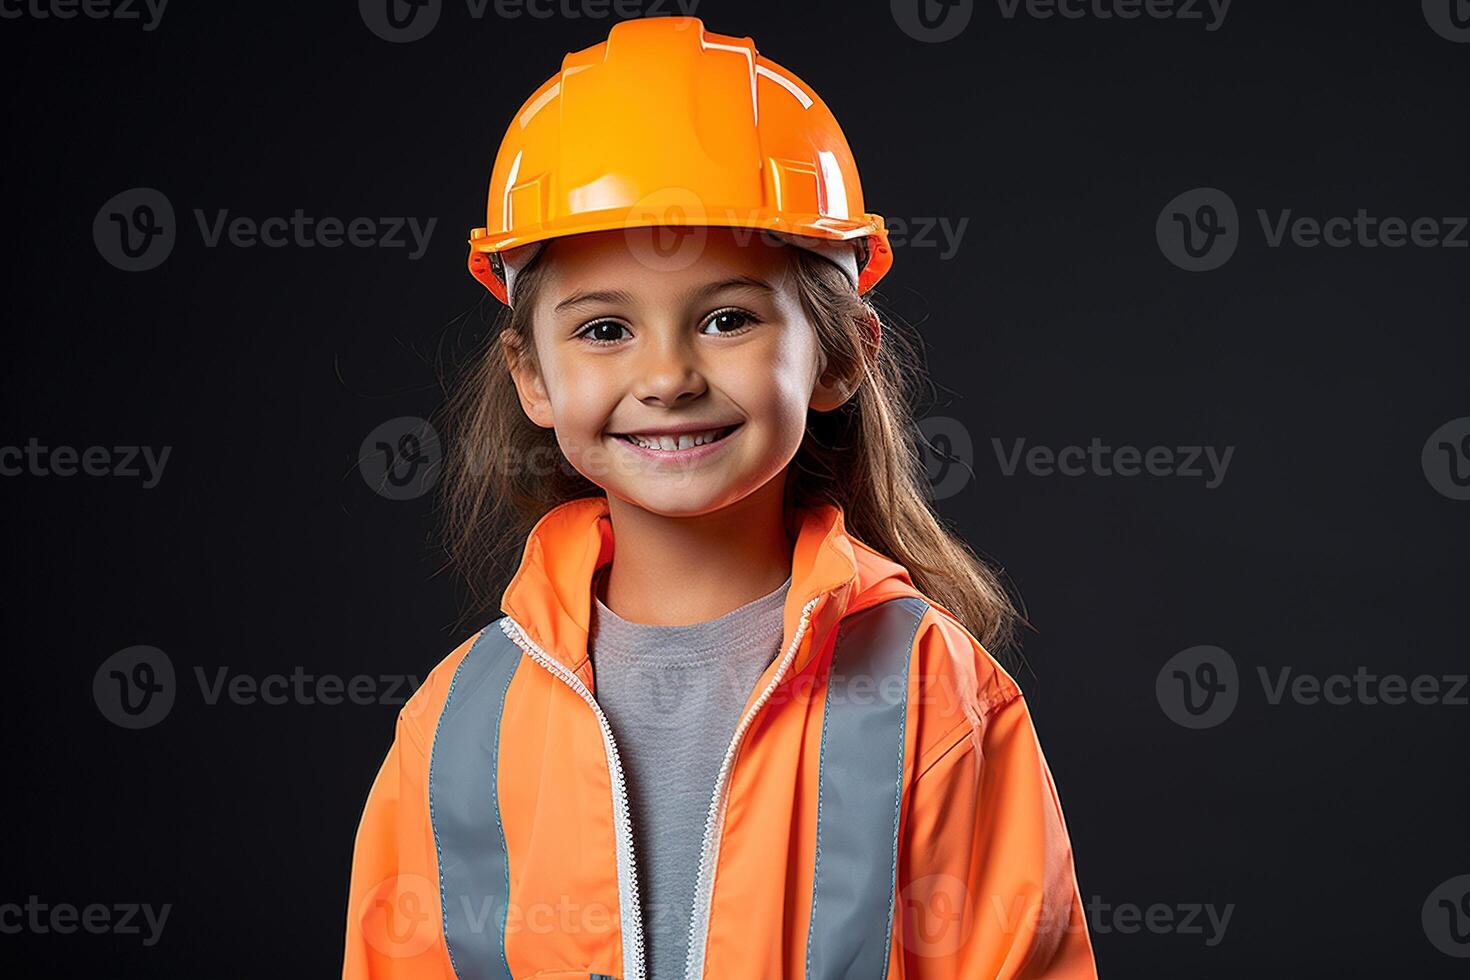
[
  {"x": 859, "y": 790},
  {"x": 464, "y": 808}
]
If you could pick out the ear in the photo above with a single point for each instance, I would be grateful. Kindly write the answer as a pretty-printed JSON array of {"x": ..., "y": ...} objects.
[
  {"x": 530, "y": 388},
  {"x": 832, "y": 389}
]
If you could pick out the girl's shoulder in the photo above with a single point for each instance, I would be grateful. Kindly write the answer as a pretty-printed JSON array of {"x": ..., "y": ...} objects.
[
  {"x": 951, "y": 655},
  {"x": 956, "y": 684},
  {"x": 419, "y": 714},
  {"x": 948, "y": 651}
]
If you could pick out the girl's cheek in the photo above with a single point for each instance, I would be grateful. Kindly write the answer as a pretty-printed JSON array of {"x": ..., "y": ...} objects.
[
  {"x": 574, "y": 382},
  {"x": 792, "y": 384},
  {"x": 585, "y": 452},
  {"x": 594, "y": 395}
]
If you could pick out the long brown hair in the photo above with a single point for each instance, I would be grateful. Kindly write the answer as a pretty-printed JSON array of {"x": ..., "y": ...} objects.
[{"x": 502, "y": 472}]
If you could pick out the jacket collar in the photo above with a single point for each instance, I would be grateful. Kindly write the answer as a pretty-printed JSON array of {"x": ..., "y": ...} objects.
[{"x": 550, "y": 596}]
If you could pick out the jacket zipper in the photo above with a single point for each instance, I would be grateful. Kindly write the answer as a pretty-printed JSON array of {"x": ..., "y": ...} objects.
[
  {"x": 714, "y": 824},
  {"x": 630, "y": 909}
]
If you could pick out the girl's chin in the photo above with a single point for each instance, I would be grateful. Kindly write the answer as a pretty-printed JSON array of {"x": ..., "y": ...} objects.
[{"x": 671, "y": 498}]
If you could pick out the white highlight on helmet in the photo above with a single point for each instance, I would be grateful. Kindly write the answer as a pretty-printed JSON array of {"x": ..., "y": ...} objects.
[
  {"x": 786, "y": 83},
  {"x": 836, "y": 186}
]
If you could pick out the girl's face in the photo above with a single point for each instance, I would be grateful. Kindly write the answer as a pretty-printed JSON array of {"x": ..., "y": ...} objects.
[{"x": 718, "y": 348}]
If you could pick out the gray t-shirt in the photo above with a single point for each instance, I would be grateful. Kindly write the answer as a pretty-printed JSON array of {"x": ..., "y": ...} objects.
[{"x": 673, "y": 696}]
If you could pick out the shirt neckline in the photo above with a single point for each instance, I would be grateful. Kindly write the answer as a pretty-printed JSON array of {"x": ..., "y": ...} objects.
[{"x": 732, "y": 633}]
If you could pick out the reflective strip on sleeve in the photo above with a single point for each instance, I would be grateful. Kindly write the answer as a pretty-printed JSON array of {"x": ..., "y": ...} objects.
[
  {"x": 860, "y": 788},
  {"x": 464, "y": 807}
]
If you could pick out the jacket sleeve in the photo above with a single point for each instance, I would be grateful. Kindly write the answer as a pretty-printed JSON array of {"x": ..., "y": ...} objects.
[
  {"x": 393, "y": 930},
  {"x": 987, "y": 887}
]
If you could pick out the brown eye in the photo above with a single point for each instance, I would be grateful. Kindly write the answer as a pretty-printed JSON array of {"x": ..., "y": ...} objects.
[
  {"x": 730, "y": 321},
  {"x": 602, "y": 331}
]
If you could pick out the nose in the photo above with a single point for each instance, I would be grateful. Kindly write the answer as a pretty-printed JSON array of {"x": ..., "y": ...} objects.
[{"x": 667, "y": 375}]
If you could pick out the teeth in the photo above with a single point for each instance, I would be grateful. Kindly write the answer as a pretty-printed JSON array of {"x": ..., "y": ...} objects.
[{"x": 668, "y": 444}]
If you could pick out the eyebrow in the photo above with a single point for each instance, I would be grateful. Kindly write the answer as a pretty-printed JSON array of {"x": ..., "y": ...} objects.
[{"x": 588, "y": 297}]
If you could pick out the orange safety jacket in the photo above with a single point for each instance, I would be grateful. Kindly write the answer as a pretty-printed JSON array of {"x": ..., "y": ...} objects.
[{"x": 856, "y": 830}]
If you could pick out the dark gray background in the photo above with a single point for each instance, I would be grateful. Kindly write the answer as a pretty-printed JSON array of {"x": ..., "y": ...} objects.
[{"x": 1058, "y": 320}]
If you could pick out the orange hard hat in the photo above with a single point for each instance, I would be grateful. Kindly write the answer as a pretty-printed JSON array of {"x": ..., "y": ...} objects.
[{"x": 665, "y": 123}]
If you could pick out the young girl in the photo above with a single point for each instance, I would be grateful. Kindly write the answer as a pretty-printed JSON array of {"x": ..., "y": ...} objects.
[{"x": 738, "y": 721}]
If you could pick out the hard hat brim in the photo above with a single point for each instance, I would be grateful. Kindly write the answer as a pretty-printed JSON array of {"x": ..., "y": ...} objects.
[{"x": 869, "y": 226}]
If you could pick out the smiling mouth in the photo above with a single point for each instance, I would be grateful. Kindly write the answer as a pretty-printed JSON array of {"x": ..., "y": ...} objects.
[{"x": 680, "y": 442}]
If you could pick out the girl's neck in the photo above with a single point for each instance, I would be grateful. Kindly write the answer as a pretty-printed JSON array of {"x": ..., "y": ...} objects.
[{"x": 675, "y": 571}]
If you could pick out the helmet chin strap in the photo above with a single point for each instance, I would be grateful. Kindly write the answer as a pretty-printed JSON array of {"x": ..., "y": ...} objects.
[{"x": 843, "y": 254}]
